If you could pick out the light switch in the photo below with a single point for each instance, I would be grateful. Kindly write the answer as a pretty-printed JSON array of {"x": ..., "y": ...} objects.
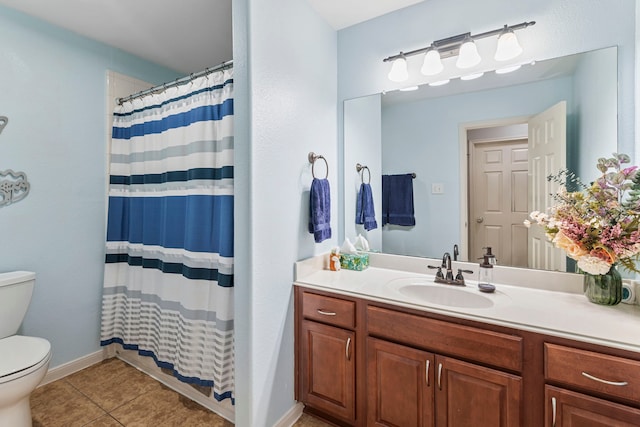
[{"x": 437, "y": 188}]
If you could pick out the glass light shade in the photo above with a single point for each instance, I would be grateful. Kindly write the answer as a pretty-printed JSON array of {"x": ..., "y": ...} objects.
[
  {"x": 468, "y": 56},
  {"x": 432, "y": 64},
  {"x": 398, "y": 71},
  {"x": 472, "y": 76},
  {"x": 508, "y": 69},
  {"x": 439, "y": 83},
  {"x": 508, "y": 47}
]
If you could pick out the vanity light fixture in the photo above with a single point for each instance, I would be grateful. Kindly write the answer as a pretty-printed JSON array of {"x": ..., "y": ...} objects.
[{"x": 463, "y": 46}]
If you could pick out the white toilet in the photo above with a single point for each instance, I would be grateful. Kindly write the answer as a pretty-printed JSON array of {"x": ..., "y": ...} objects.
[{"x": 23, "y": 360}]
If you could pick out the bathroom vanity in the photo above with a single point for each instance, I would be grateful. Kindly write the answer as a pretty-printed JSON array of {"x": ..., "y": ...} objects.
[{"x": 388, "y": 347}]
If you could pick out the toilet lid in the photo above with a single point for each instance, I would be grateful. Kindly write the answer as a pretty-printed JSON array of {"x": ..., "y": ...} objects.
[{"x": 18, "y": 353}]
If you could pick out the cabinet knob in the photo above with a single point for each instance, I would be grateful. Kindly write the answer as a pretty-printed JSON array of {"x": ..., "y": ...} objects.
[{"x": 480, "y": 220}]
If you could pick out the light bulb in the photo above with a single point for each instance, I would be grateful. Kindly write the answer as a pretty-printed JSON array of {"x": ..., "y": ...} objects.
[
  {"x": 508, "y": 46},
  {"x": 468, "y": 56},
  {"x": 398, "y": 71},
  {"x": 432, "y": 64}
]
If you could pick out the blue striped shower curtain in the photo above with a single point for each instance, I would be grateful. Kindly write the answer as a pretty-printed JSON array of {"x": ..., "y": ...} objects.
[{"x": 168, "y": 282}]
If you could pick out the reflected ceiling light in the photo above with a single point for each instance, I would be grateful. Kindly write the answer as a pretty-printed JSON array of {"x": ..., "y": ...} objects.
[
  {"x": 463, "y": 46},
  {"x": 468, "y": 56},
  {"x": 508, "y": 46},
  {"x": 439, "y": 83},
  {"x": 398, "y": 71},
  {"x": 432, "y": 63},
  {"x": 472, "y": 76},
  {"x": 506, "y": 70},
  {"x": 409, "y": 89}
]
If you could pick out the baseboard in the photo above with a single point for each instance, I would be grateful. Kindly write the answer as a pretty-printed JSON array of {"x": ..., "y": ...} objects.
[
  {"x": 148, "y": 366},
  {"x": 79, "y": 364},
  {"x": 292, "y": 415}
]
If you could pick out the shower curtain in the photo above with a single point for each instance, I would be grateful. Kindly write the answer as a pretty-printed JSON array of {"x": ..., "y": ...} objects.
[{"x": 168, "y": 281}]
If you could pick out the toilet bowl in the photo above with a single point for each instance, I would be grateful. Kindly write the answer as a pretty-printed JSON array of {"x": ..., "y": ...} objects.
[
  {"x": 23, "y": 364},
  {"x": 23, "y": 360}
]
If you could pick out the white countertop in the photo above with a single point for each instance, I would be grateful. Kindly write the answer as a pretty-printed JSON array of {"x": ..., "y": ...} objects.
[{"x": 563, "y": 314}]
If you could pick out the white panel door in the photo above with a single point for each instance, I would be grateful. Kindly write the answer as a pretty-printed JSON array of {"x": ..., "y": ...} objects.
[
  {"x": 498, "y": 200},
  {"x": 547, "y": 155}
]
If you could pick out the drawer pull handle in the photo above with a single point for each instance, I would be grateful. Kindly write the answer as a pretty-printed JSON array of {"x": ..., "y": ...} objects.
[
  {"x": 326, "y": 313},
  {"x": 616, "y": 383},
  {"x": 439, "y": 376},
  {"x": 427, "y": 372},
  {"x": 347, "y": 353},
  {"x": 553, "y": 412}
]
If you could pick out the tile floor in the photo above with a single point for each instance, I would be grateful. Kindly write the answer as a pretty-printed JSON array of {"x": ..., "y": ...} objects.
[{"x": 114, "y": 394}]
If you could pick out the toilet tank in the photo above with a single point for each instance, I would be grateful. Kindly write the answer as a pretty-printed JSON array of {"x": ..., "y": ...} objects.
[{"x": 16, "y": 288}]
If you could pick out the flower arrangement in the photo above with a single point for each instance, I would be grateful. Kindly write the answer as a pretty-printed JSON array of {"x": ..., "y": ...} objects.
[{"x": 597, "y": 224}]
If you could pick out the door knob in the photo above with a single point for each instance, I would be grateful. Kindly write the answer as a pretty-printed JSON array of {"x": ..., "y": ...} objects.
[{"x": 480, "y": 220}]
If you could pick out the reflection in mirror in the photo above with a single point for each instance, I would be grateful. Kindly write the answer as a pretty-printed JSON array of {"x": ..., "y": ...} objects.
[{"x": 470, "y": 145}]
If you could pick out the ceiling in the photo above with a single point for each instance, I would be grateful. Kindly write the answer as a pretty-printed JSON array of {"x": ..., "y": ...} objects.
[{"x": 186, "y": 36}]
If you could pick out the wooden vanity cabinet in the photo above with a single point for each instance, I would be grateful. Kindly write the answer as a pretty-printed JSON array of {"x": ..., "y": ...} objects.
[
  {"x": 590, "y": 388},
  {"x": 326, "y": 355},
  {"x": 364, "y": 363},
  {"x": 408, "y": 386}
]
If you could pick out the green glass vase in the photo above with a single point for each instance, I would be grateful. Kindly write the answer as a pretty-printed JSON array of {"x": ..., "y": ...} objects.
[{"x": 605, "y": 289}]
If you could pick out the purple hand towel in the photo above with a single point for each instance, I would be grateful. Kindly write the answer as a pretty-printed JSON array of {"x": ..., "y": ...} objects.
[{"x": 320, "y": 210}]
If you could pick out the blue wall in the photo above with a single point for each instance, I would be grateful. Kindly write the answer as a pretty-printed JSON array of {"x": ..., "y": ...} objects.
[
  {"x": 53, "y": 89},
  {"x": 286, "y": 74}
]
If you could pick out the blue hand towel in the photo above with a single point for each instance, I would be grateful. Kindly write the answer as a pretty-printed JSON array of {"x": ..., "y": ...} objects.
[
  {"x": 365, "y": 213},
  {"x": 320, "y": 210},
  {"x": 397, "y": 200}
]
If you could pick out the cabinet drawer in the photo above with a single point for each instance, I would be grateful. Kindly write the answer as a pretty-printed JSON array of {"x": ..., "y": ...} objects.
[
  {"x": 611, "y": 375},
  {"x": 334, "y": 311},
  {"x": 492, "y": 348}
]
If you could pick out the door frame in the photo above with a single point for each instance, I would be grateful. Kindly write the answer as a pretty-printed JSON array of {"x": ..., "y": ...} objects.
[{"x": 463, "y": 147}]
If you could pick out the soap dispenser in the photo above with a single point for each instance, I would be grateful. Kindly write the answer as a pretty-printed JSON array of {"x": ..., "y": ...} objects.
[{"x": 485, "y": 274}]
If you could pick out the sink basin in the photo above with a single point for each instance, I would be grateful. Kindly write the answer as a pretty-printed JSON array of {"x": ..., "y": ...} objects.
[{"x": 447, "y": 295}]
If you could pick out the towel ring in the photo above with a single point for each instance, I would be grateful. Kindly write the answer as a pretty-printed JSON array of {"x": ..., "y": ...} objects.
[
  {"x": 359, "y": 168},
  {"x": 312, "y": 159}
]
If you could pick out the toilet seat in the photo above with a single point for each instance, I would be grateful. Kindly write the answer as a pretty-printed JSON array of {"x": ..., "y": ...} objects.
[{"x": 21, "y": 355}]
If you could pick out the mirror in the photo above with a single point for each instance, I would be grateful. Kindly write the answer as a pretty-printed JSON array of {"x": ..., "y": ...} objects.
[{"x": 431, "y": 131}]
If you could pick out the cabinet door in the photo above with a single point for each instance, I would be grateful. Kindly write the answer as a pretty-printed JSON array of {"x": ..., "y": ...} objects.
[
  {"x": 570, "y": 409},
  {"x": 472, "y": 395},
  {"x": 399, "y": 385},
  {"x": 328, "y": 369}
]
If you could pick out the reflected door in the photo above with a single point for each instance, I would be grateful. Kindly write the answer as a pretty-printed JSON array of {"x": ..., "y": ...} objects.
[
  {"x": 498, "y": 200},
  {"x": 547, "y": 155}
]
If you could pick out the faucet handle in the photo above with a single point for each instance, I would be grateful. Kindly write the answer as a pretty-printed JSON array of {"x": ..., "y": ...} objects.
[
  {"x": 439, "y": 274},
  {"x": 459, "y": 276}
]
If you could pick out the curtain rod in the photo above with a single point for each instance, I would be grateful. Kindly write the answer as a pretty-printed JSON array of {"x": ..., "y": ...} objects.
[{"x": 176, "y": 82}]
